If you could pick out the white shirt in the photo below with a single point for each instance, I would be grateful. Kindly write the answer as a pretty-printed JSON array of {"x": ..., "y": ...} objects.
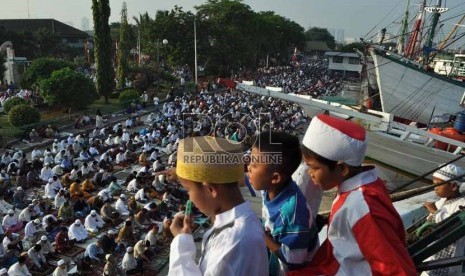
[
  {"x": 125, "y": 137},
  {"x": 77, "y": 232},
  {"x": 445, "y": 208},
  {"x": 59, "y": 201},
  {"x": 152, "y": 236},
  {"x": 9, "y": 221},
  {"x": 140, "y": 195},
  {"x": 30, "y": 230},
  {"x": 18, "y": 270},
  {"x": 46, "y": 173},
  {"x": 25, "y": 215},
  {"x": 49, "y": 191},
  {"x": 36, "y": 257},
  {"x": 104, "y": 194},
  {"x": 93, "y": 224},
  {"x": 120, "y": 158},
  {"x": 121, "y": 207},
  {"x": 225, "y": 247},
  {"x": 36, "y": 154},
  {"x": 60, "y": 272},
  {"x": 132, "y": 185},
  {"x": 129, "y": 262}
]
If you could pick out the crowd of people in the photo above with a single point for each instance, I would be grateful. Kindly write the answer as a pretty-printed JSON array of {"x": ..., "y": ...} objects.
[
  {"x": 310, "y": 78},
  {"x": 119, "y": 191}
]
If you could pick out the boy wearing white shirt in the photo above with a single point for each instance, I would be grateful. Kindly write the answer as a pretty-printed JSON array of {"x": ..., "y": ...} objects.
[{"x": 214, "y": 190}]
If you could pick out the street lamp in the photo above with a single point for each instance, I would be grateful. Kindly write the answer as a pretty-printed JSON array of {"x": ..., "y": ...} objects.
[{"x": 165, "y": 42}]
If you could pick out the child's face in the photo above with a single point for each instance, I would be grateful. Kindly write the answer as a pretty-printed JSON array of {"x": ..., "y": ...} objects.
[
  {"x": 321, "y": 175},
  {"x": 259, "y": 173},
  {"x": 446, "y": 190},
  {"x": 200, "y": 196}
]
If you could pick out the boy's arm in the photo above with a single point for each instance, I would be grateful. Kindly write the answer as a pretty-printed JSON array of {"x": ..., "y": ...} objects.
[
  {"x": 182, "y": 249},
  {"x": 272, "y": 245}
]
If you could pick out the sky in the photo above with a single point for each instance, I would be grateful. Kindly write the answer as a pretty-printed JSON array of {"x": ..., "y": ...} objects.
[{"x": 356, "y": 17}]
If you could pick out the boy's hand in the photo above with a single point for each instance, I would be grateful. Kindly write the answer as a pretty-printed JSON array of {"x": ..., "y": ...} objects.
[
  {"x": 181, "y": 224},
  {"x": 430, "y": 206}
]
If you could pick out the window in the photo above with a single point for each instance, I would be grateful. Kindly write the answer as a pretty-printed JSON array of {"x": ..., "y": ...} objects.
[
  {"x": 353, "y": 60},
  {"x": 337, "y": 59}
]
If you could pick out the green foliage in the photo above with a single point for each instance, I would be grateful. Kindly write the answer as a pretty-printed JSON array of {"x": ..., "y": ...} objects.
[
  {"x": 230, "y": 36},
  {"x": 349, "y": 48},
  {"x": 103, "y": 47},
  {"x": 12, "y": 102},
  {"x": 320, "y": 34},
  {"x": 23, "y": 115},
  {"x": 123, "y": 49},
  {"x": 127, "y": 97},
  {"x": 68, "y": 88},
  {"x": 41, "y": 69}
]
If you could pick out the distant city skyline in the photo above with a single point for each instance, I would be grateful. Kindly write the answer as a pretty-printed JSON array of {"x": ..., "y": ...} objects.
[{"x": 356, "y": 18}]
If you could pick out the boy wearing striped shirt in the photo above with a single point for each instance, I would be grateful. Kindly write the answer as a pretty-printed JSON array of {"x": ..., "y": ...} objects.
[{"x": 291, "y": 235}]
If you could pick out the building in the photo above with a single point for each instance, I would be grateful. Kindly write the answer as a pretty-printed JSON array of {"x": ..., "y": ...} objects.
[
  {"x": 347, "y": 64},
  {"x": 316, "y": 48},
  {"x": 68, "y": 35}
]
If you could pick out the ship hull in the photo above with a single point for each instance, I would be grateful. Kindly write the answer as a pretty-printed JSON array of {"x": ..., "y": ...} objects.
[{"x": 412, "y": 93}]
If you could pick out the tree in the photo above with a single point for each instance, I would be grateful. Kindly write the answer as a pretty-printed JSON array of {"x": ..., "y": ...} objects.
[
  {"x": 123, "y": 48},
  {"x": 320, "y": 34},
  {"x": 12, "y": 102},
  {"x": 68, "y": 88},
  {"x": 23, "y": 115},
  {"x": 349, "y": 48},
  {"x": 103, "y": 48},
  {"x": 40, "y": 69}
]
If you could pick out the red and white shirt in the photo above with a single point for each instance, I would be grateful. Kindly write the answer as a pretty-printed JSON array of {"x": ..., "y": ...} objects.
[{"x": 365, "y": 233}]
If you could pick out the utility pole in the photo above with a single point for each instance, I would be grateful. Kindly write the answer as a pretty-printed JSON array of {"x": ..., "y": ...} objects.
[{"x": 195, "y": 52}]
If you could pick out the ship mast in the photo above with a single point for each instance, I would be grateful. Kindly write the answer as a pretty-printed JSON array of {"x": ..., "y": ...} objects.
[
  {"x": 403, "y": 32},
  {"x": 436, "y": 11},
  {"x": 415, "y": 39}
]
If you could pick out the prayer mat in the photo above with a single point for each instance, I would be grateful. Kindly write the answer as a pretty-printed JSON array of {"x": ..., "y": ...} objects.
[
  {"x": 52, "y": 234},
  {"x": 73, "y": 252},
  {"x": 46, "y": 272}
]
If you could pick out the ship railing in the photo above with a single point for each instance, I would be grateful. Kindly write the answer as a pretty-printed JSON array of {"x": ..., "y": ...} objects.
[{"x": 422, "y": 136}]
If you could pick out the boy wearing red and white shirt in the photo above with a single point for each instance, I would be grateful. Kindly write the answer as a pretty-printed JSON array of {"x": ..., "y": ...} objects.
[{"x": 365, "y": 233}]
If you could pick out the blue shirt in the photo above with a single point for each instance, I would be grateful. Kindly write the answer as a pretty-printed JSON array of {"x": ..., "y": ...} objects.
[
  {"x": 291, "y": 224},
  {"x": 92, "y": 251}
]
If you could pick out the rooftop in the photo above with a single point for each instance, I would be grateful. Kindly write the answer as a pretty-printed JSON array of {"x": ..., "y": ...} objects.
[{"x": 33, "y": 25}]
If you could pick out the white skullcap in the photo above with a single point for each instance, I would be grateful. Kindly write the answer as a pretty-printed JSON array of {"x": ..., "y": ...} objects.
[
  {"x": 101, "y": 171},
  {"x": 50, "y": 180},
  {"x": 336, "y": 139},
  {"x": 37, "y": 221},
  {"x": 111, "y": 232},
  {"x": 107, "y": 257},
  {"x": 448, "y": 172},
  {"x": 93, "y": 213},
  {"x": 19, "y": 188},
  {"x": 61, "y": 262},
  {"x": 77, "y": 222},
  {"x": 43, "y": 238},
  {"x": 47, "y": 164},
  {"x": 122, "y": 196},
  {"x": 11, "y": 211},
  {"x": 129, "y": 249}
]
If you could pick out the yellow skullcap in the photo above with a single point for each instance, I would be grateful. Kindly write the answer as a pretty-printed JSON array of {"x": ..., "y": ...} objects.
[{"x": 209, "y": 159}]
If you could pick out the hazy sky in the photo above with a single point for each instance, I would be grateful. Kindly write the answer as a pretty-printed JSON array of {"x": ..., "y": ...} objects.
[{"x": 356, "y": 17}]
